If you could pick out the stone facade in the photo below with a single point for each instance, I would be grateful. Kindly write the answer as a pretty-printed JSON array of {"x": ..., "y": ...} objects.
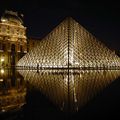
[{"x": 13, "y": 40}]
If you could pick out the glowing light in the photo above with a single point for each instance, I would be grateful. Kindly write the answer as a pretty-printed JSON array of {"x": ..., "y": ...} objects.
[
  {"x": 1, "y": 80},
  {"x": 76, "y": 63},
  {"x": 3, "y": 20},
  {"x": 3, "y": 110},
  {"x": 80, "y": 75},
  {"x": 37, "y": 61},
  {"x": 2, "y": 71},
  {"x": 2, "y": 59},
  {"x": 66, "y": 80}
]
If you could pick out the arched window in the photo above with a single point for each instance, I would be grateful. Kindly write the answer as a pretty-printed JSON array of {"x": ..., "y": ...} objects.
[
  {"x": 21, "y": 48},
  {"x": 3, "y": 47},
  {"x": 13, "y": 54},
  {"x": 13, "y": 48},
  {"x": 0, "y": 46}
]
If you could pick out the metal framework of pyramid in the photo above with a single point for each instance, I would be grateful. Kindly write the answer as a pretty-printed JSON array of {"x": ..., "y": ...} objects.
[{"x": 70, "y": 45}]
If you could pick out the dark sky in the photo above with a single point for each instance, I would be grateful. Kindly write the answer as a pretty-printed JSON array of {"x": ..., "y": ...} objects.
[{"x": 41, "y": 16}]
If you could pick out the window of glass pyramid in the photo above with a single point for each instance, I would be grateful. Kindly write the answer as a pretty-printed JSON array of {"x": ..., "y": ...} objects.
[{"x": 70, "y": 45}]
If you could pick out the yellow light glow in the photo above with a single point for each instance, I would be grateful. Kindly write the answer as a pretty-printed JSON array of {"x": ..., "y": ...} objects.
[
  {"x": 2, "y": 71},
  {"x": 37, "y": 61},
  {"x": 3, "y": 110},
  {"x": 2, "y": 59},
  {"x": 3, "y": 20},
  {"x": 1, "y": 80}
]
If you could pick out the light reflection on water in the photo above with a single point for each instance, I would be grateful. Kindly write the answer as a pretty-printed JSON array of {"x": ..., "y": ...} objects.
[
  {"x": 12, "y": 90},
  {"x": 70, "y": 90}
]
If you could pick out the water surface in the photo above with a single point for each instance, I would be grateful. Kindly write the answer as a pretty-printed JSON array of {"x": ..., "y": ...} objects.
[{"x": 57, "y": 94}]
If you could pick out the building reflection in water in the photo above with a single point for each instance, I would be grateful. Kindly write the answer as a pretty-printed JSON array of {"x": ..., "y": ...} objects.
[
  {"x": 70, "y": 90},
  {"x": 12, "y": 90}
]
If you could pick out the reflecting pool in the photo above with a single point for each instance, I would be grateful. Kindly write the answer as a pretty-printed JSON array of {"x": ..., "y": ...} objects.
[
  {"x": 12, "y": 90},
  {"x": 34, "y": 94}
]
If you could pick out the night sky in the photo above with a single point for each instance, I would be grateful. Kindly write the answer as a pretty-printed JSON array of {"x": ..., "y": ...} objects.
[{"x": 41, "y": 16}]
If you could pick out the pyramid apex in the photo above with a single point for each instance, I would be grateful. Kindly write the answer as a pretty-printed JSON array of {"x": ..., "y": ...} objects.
[{"x": 69, "y": 18}]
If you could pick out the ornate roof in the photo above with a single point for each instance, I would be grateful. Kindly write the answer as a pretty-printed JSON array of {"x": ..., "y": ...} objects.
[{"x": 11, "y": 17}]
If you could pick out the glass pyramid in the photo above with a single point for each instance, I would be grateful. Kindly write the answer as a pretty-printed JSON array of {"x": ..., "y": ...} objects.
[{"x": 70, "y": 45}]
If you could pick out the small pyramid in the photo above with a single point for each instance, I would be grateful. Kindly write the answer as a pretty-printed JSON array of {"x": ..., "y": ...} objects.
[{"x": 70, "y": 45}]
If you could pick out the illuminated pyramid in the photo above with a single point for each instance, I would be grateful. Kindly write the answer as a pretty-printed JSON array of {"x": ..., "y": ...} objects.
[{"x": 70, "y": 45}]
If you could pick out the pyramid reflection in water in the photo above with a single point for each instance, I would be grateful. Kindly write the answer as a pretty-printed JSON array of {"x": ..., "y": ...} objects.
[
  {"x": 70, "y": 45},
  {"x": 70, "y": 94}
]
